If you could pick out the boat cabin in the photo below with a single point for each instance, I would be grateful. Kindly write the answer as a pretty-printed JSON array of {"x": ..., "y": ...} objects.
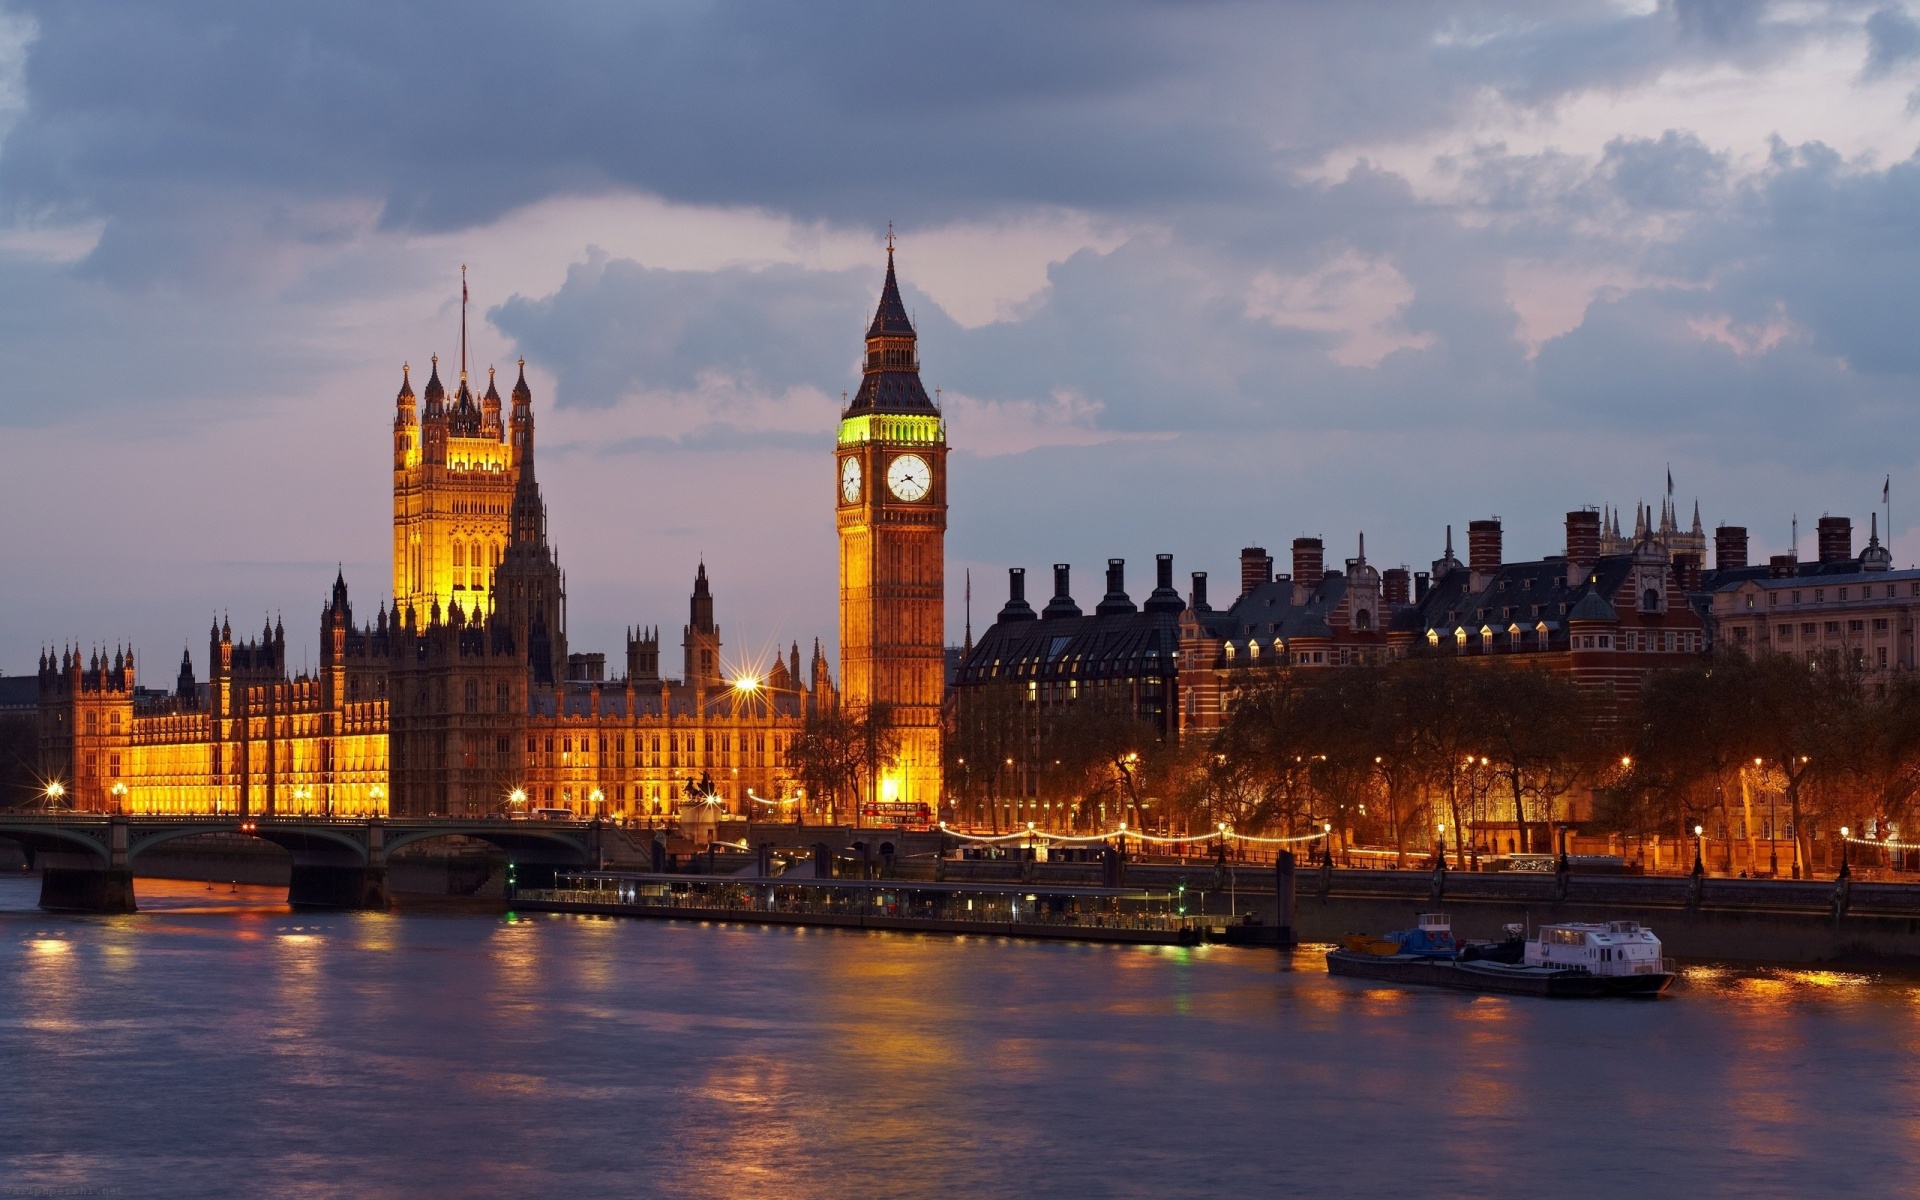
[
  {"x": 1432, "y": 936},
  {"x": 1612, "y": 948}
]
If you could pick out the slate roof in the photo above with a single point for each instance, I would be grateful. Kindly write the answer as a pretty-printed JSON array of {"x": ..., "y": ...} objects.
[
  {"x": 19, "y": 693},
  {"x": 1122, "y": 645},
  {"x": 891, "y": 390},
  {"x": 1268, "y": 611}
]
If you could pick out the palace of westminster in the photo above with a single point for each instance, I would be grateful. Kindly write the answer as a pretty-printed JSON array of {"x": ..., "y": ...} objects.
[{"x": 462, "y": 698}]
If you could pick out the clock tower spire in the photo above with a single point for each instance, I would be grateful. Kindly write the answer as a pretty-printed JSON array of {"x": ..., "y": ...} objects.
[{"x": 890, "y": 490}]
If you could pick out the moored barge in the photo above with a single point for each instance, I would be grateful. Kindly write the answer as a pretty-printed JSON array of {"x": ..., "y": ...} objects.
[{"x": 1561, "y": 961}]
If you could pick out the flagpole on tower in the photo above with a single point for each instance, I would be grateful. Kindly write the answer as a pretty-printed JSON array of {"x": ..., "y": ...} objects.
[{"x": 463, "y": 322}]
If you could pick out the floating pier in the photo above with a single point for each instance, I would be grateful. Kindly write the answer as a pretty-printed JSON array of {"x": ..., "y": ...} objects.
[{"x": 1025, "y": 910}]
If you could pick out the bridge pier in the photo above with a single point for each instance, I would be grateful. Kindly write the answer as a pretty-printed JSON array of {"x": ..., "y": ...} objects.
[
  {"x": 323, "y": 881},
  {"x": 328, "y": 886},
  {"x": 71, "y": 883},
  {"x": 84, "y": 889}
]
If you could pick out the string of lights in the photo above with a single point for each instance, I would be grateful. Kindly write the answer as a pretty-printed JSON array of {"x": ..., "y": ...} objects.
[
  {"x": 1030, "y": 833},
  {"x": 1883, "y": 843}
]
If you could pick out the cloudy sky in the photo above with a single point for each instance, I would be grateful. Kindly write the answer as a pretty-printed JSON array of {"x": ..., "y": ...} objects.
[{"x": 1190, "y": 277}]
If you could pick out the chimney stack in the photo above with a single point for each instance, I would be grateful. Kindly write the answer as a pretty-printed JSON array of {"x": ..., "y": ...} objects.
[
  {"x": 1164, "y": 599},
  {"x": 1836, "y": 539},
  {"x": 1686, "y": 572},
  {"x": 1395, "y": 586},
  {"x": 1583, "y": 544},
  {"x": 1256, "y": 568},
  {"x": 1017, "y": 608},
  {"x": 1198, "y": 599},
  {"x": 1116, "y": 600},
  {"x": 1422, "y": 584},
  {"x": 1783, "y": 566},
  {"x": 1062, "y": 604},
  {"x": 1309, "y": 562},
  {"x": 1730, "y": 547},
  {"x": 1483, "y": 551}
]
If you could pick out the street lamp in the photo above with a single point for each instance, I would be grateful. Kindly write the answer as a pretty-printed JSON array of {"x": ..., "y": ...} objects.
[
  {"x": 1699, "y": 837},
  {"x": 56, "y": 792},
  {"x": 1845, "y": 870},
  {"x": 119, "y": 791},
  {"x": 516, "y": 801},
  {"x": 1773, "y": 831},
  {"x": 376, "y": 794}
]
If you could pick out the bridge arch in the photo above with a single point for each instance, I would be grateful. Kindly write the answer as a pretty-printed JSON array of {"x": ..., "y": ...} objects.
[
  {"x": 44, "y": 839},
  {"x": 307, "y": 844},
  {"x": 524, "y": 844}
]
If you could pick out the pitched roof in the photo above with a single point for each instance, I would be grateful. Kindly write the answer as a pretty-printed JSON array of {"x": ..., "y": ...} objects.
[
  {"x": 890, "y": 318},
  {"x": 1121, "y": 645}
]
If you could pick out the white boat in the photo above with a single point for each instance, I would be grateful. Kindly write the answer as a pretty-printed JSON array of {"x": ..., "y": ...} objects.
[{"x": 1608, "y": 949}]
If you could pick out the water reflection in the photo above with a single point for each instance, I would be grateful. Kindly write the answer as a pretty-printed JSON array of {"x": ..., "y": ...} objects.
[{"x": 222, "y": 1044}]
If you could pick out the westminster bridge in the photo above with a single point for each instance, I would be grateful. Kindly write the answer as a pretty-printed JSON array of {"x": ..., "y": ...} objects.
[{"x": 86, "y": 860}]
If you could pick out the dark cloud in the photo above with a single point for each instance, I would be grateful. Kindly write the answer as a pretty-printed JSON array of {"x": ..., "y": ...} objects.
[
  {"x": 452, "y": 113},
  {"x": 1893, "y": 38},
  {"x": 617, "y": 328},
  {"x": 1256, "y": 336},
  {"x": 1676, "y": 172}
]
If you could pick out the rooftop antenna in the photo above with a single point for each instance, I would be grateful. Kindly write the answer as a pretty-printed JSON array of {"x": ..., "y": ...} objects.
[{"x": 1796, "y": 537}]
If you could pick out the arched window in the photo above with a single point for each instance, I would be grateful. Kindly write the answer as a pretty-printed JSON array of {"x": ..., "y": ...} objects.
[
  {"x": 459, "y": 553},
  {"x": 1650, "y": 600},
  {"x": 1363, "y": 621}
]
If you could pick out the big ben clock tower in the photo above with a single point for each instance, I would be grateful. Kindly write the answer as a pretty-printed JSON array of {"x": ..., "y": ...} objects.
[{"x": 890, "y": 489}]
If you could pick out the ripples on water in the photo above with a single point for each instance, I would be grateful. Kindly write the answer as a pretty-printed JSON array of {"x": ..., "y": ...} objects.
[{"x": 221, "y": 1044}]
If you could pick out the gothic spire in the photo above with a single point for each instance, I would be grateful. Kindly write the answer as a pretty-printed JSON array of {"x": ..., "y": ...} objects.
[
  {"x": 890, "y": 380},
  {"x": 436, "y": 392}
]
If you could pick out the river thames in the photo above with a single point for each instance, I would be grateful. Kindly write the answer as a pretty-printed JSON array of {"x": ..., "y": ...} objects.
[{"x": 219, "y": 1044}]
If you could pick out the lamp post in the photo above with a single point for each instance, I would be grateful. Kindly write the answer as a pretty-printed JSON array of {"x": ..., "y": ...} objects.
[
  {"x": 119, "y": 791},
  {"x": 56, "y": 793},
  {"x": 517, "y": 802},
  {"x": 375, "y": 795},
  {"x": 1845, "y": 869},
  {"x": 1699, "y": 841}
]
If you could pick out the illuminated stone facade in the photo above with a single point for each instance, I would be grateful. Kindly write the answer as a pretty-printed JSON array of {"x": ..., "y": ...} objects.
[
  {"x": 460, "y": 697},
  {"x": 890, "y": 485}
]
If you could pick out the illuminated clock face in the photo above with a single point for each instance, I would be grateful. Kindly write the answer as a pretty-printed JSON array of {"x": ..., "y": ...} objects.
[
  {"x": 909, "y": 477},
  {"x": 850, "y": 480}
]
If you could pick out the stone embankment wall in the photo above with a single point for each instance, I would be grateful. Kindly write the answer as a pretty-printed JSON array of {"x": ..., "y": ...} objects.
[{"x": 1742, "y": 920}]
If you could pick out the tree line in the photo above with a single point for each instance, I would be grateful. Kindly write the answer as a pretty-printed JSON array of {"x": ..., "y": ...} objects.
[{"x": 1406, "y": 755}]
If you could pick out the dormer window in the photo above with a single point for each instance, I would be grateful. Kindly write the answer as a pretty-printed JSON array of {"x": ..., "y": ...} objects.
[{"x": 1650, "y": 600}]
